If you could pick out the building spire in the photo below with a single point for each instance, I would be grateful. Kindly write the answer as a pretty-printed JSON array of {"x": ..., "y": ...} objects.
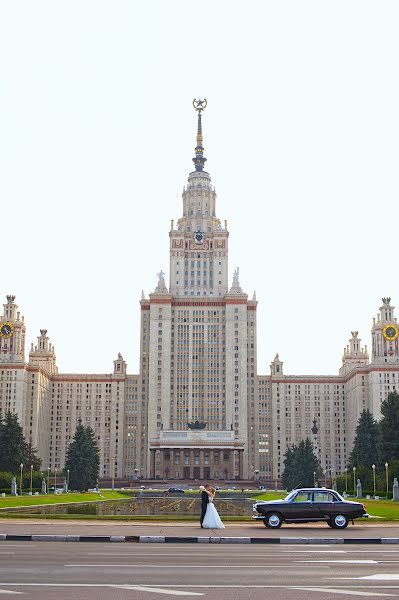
[{"x": 199, "y": 160}]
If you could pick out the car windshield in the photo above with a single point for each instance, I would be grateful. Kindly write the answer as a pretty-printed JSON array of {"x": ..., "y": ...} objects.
[{"x": 290, "y": 496}]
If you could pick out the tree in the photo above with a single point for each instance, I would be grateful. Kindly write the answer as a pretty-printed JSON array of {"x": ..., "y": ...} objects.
[
  {"x": 83, "y": 459},
  {"x": 13, "y": 448},
  {"x": 365, "y": 447},
  {"x": 300, "y": 465},
  {"x": 389, "y": 429},
  {"x": 33, "y": 459}
]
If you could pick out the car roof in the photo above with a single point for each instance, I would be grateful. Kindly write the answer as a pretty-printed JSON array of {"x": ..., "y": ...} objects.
[{"x": 318, "y": 489}]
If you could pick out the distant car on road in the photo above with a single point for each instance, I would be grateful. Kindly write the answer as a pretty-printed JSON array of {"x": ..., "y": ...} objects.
[
  {"x": 309, "y": 504},
  {"x": 174, "y": 490}
]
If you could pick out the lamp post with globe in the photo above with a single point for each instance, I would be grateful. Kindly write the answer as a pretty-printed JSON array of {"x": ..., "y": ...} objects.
[{"x": 386, "y": 477}]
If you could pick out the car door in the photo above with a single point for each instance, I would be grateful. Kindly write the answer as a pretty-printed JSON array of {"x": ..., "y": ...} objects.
[
  {"x": 300, "y": 508},
  {"x": 323, "y": 503}
]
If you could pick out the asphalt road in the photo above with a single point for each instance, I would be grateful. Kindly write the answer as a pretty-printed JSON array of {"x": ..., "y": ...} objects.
[{"x": 88, "y": 571}]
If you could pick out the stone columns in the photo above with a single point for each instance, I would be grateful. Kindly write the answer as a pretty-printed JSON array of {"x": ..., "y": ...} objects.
[
  {"x": 202, "y": 463},
  {"x": 157, "y": 463},
  {"x": 191, "y": 464}
]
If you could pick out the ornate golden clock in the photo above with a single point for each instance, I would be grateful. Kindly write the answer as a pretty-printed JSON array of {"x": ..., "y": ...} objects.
[
  {"x": 6, "y": 330},
  {"x": 390, "y": 332}
]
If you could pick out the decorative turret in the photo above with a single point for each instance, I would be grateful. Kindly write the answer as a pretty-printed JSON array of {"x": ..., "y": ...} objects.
[
  {"x": 43, "y": 355},
  {"x": 276, "y": 367},
  {"x": 354, "y": 355},
  {"x": 385, "y": 333},
  {"x": 199, "y": 160},
  {"x": 119, "y": 365},
  {"x": 12, "y": 333}
]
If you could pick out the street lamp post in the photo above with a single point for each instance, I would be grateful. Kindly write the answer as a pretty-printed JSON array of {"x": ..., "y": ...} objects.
[
  {"x": 346, "y": 480},
  {"x": 314, "y": 478},
  {"x": 373, "y": 467},
  {"x": 256, "y": 474},
  {"x": 55, "y": 481},
  {"x": 67, "y": 480},
  {"x": 386, "y": 477},
  {"x": 31, "y": 473},
  {"x": 21, "y": 466},
  {"x": 48, "y": 480},
  {"x": 354, "y": 481},
  {"x": 113, "y": 471}
]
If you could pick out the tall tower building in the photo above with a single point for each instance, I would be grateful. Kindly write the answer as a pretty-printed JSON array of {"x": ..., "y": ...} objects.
[
  {"x": 198, "y": 346},
  {"x": 197, "y": 409}
]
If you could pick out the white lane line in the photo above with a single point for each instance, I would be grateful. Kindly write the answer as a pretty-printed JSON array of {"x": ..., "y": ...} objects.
[
  {"x": 7, "y": 552},
  {"x": 154, "y": 566},
  {"x": 346, "y": 562},
  {"x": 381, "y": 577},
  {"x": 311, "y": 552},
  {"x": 9, "y": 592},
  {"x": 196, "y": 586},
  {"x": 338, "y": 591},
  {"x": 155, "y": 590}
]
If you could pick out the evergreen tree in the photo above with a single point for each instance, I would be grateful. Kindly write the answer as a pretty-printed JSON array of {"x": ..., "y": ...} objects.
[
  {"x": 33, "y": 459},
  {"x": 83, "y": 459},
  {"x": 389, "y": 429},
  {"x": 13, "y": 448},
  {"x": 365, "y": 447},
  {"x": 300, "y": 464}
]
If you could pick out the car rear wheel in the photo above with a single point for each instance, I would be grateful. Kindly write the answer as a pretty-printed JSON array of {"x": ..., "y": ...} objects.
[
  {"x": 339, "y": 521},
  {"x": 273, "y": 521}
]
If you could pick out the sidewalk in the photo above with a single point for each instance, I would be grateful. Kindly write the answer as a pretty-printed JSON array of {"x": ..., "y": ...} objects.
[{"x": 249, "y": 530}]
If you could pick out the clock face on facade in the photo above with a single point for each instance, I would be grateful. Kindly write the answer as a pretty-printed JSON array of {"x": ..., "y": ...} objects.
[
  {"x": 6, "y": 330},
  {"x": 199, "y": 237},
  {"x": 390, "y": 332}
]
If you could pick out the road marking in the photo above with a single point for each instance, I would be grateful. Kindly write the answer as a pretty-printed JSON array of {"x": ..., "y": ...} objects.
[
  {"x": 196, "y": 586},
  {"x": 152, "y": 566},
  {"x": 7, "y": 552},
  {"x": 346, "y": 562},
  {"x": 155, "y": 590},
  {"x": 381, "y": 577},
  {"x": 339, "y": 591},
  {"x": 311, "y": 552},
  {"x": 9, "y": 592}
]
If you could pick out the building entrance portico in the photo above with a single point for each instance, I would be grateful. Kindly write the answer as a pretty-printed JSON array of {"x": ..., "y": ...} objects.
[{"x": 200, "y": 455}]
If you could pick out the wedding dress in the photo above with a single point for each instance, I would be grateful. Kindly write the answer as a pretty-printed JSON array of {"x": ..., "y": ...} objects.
[{"x": 212, "y": 519}]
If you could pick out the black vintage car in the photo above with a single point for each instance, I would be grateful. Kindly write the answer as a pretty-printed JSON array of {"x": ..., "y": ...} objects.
[{"x": 309, "y": 504}]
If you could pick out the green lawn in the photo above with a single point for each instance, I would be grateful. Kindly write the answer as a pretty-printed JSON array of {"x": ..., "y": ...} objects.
[{"x": 11, "y": 501}]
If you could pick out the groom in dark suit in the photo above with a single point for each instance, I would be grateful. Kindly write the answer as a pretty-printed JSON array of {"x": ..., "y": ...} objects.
[{"x": 204, "y": 503}]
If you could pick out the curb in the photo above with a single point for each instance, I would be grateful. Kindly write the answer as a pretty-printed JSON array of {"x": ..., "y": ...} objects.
[{"x": 157, "y": 539}]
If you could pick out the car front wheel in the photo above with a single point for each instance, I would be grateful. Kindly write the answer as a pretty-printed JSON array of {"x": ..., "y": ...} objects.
[
  {"x": 339, "y": 521},
  {"x": 273, "y": 521}
]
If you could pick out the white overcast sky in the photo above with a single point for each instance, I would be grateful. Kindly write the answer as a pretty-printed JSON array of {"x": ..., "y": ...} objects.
[{"x": 301, "y": 133}]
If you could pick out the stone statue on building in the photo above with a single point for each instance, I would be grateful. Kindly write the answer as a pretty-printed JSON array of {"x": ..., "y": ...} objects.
[{"x": 196, "y": 425}]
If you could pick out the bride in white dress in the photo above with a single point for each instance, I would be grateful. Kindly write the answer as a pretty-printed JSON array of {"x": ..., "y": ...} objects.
[{"x": 212, "y": 519}]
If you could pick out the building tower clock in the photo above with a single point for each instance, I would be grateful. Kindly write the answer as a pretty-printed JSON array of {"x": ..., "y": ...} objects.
[
  {"x": 390, "y": 332},
  {"x": 6, "y": 330}
]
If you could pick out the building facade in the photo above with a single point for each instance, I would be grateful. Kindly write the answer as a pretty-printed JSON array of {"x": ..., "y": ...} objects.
[{"x": 198, "y": 409}]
